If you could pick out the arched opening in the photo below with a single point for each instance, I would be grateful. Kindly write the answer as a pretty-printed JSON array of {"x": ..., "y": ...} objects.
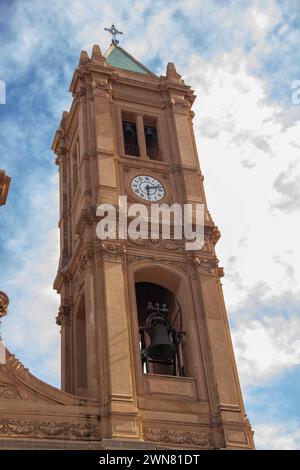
[
  {"x": 80, "y": 350},
  {"x": 160, "y": 328}
]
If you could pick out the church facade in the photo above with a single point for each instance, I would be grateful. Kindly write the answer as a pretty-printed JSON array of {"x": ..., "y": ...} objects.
[{"x": 147, "y": 358}]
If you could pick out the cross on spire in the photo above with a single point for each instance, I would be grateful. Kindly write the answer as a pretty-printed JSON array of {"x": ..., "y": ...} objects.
[{"x": 113, "y": 31}]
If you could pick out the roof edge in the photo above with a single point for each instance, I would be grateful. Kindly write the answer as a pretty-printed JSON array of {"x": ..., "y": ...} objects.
[{"x": 112, "y": 47}]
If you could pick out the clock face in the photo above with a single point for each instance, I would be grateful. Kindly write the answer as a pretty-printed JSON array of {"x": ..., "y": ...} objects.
[{"x": 147, "y": 188}]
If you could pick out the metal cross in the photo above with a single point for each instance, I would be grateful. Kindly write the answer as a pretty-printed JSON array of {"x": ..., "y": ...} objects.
[{"x": 114, "y": 31}]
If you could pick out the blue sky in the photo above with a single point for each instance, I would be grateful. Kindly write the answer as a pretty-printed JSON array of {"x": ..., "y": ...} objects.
[{"x": 241, "y": 58}]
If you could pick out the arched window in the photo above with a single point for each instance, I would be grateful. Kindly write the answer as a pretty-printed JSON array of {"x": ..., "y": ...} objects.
[{"x": 161, "y": 329}]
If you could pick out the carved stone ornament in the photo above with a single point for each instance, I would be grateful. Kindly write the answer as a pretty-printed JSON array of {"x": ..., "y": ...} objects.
[
  {"x": 130, "y": 259},
  {"x": 200, "y": 439},
  {"x": 215, "y": 235},
  {"x": 63, "y": 315},
  {"x": 85, "y": 258},
  {"x": 82, "y": 263},
  {"x": 82, "y": 90},
  {"x": 206, "y": 245},
  {"x": 112, "y": 252},
  {"x": 9, "y": 391},
  {"x": 87, "y": 217},
  {"x": 133, "y": 259},
  {"x": 103, "y": 86},
  {"x": 4, "y": 301},
  {"x": 205, "y": 265},
  {"x": 49, "y": 429},
  {"x": 169, "y": 245},
  {"x": 181, "y": 103},
  {"x": 221, "y": 272},
  {"x": 100, "y": 251}
]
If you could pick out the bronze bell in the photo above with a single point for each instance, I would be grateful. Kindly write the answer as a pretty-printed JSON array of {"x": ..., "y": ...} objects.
[
  {"x": 129, "y": 130},
  {"x": 158, "y": 327},
  {"x": 149, "y": 132}
]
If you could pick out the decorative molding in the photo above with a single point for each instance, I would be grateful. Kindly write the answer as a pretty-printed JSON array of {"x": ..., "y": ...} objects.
[
  {"x": 168, "y": 436},
  {"x": 130, "y": 259},
  {"x": 86, "y": 257},
  {"x": 133, "y": 259},
  {"x": 15, "y": 365},
  {"x": 179, "y": 104},
  {"x": 4, "y": 302},
  {"x": 169, "y": 245},
  {"x": 175, "y": 264},
  {"x": 9, "y": 391},
  {"x": 248, "y": 427},
  {"x": 49, "y": 429},
  {"x": 82, "y": 91},
  {"x": 82, "y": 263},
  {"x": 4, "y": 187},
  {"x": 104, "y": 86},
  {"x": 66, "y": 276},
  {"x": 77, "y": 286},
  {"x": 212, "y": 233},
  {"x": 63, "y": 315},
  {"x": 112, "y": 252},
  {"x": 177, "y": 167},
  {"x": 98, "y": 252},
  {"x": 87, "y": 217},
  {"x": 205, "y": 265},
  {"x": 221, "y": 272},
  {"x": 206, "y": 244}
]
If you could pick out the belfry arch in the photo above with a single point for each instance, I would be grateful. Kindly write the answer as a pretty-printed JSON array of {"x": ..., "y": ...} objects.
[{"x": 168, "y": 286}]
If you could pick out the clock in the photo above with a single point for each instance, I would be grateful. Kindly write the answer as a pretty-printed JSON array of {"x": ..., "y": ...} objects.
[{"x": 147, "y": 188}]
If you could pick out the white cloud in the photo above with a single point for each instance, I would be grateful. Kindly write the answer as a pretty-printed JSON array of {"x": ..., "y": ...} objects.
[
  {"x": 244, "y": 147},
  {"x": 262, "y": 20},
  {"x": 277, "y": 436},
  {"x": 287, "y": 184},
  {"x": 29, "y": 330},
  {"x": 265, "y": 347}
]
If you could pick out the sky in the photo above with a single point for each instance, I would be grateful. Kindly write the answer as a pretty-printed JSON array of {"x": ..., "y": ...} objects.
[{"x": 242, "y": 60}]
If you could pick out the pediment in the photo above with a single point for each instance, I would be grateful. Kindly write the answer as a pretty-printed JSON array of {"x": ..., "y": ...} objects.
[{"x": 31, "y": 409}]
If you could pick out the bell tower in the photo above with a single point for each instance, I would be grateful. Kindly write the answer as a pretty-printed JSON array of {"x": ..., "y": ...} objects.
[{"x": 143, "y": 321}]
